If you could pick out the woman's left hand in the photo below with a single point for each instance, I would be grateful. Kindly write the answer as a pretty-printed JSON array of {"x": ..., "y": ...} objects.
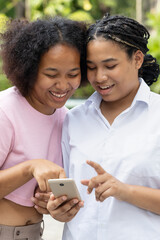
[
  {"x": 63, "y": 210},
  {"x": 105, "y": 184},
  {"x": 40, "y": 200}
]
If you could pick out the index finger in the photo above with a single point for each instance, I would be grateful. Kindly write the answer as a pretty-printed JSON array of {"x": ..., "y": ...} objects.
[
  {"x": 62, "y": 174},
  {"x": 96, "y": 166}
]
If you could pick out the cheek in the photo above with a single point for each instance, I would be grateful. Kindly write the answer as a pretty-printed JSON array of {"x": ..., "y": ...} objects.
[
  {"x": 43, "y": 83},
  {"x": 90, "y": 76},
  {"x": 76, "y": 83}
]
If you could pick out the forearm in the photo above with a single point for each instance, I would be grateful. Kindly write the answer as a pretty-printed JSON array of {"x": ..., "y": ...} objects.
[
  {"x": 40, "y": 169},
  {"x": 14, "y": 177},
  {"x": 143, "y": 197},
  {"x": 106, "y": 186}
]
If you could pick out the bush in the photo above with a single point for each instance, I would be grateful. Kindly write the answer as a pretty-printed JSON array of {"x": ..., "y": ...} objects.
[
  {"x": 4, "y": 83},
  {"x": 83, "y": 92},
  {"x": 154, "y": 43}
]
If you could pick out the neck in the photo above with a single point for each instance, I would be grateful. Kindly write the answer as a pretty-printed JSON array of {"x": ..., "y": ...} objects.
[
  {"x": 112, "y": 109},
  {"x": 40, "y": 107}
]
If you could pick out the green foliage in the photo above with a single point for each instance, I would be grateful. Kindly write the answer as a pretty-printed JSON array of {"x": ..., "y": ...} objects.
[
  {"x": 3, "y": 20},
  {"x": 81, "y": 16},
  {"x": 88, "y": 10},
  {"x": 124, "y": 7},
  {"x": 4, "y": 83},
  {"x": 154, "y": 43},
  {"x": 7, "y": 8},
  {"x": 155, "y": 87},
  {"x": 94, "y": 9},
  {"x": 153, "y": 21},
  {"x": 40, "y": 8},
  {"x": 83, "y": 92}
]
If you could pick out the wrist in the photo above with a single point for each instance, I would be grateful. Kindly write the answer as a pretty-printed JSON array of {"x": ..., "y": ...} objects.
[
  {"x": 28, "y": 169},
  {"x": 127, "y": 193}
]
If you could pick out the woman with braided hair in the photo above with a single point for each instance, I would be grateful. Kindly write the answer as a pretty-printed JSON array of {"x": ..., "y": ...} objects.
[{"x": 117, "y": 132}]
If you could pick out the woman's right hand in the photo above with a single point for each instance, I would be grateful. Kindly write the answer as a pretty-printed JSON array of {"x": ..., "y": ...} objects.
[
  {"x": 16, "y": 176},
  {"x": 42, "y": 170},
  {"x": 61, "y": 209}
]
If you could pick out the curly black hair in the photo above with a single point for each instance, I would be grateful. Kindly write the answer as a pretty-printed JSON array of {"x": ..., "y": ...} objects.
[
  {"x": 24, "y": 43},
  {"x": 130, "y": 35}
]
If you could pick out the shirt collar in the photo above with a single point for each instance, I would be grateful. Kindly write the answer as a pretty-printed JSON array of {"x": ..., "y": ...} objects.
[
  {"x": 95, "y": 99},
  {"x": 142, "y": 95}
]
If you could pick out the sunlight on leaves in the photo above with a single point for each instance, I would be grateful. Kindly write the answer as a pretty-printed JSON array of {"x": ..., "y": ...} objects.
[{"x": 3, "y": 20}]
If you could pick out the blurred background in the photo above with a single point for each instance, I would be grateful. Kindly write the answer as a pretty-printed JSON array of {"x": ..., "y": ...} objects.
[{"x": 145, "y": 11}]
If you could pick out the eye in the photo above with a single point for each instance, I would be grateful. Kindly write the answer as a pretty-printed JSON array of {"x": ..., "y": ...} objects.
[
  {"x": 73, "y": 75},
  {"x": 111, "y": 67},
  {"x": 51, "y": 76},
  {"x": 91, "y": 68}
]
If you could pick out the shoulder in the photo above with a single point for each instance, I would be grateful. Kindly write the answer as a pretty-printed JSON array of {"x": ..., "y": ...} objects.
[
  {"x": 60, "y": 113},
  {"x": 154, "y": 105},
  {"x": 77, "y": 116},
  {"x": 9, "y": 98},
  {"x": 85, "y": 109},
  {"x": 77, "y": 112},
  {"x": 154, "y": 99}
]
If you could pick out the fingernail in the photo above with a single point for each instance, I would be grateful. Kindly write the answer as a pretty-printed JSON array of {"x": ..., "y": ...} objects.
[
  {"x": 37, "y": 195},
  {"x": 75, "y": 201},
  {"x": 64, "y": 198},
  {"x": 81, "y": 204}
]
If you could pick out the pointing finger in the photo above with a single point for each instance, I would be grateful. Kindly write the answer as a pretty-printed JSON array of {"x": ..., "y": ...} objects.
[
  {"x": 85, "y": 182},
  {"x": 96, "y": 166}
]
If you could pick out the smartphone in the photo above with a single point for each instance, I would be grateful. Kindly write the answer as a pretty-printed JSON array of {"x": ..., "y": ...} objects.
[{"x": 64, "y": 186}]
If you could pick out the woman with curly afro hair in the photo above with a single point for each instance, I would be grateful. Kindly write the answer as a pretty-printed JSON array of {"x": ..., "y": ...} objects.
[{"x": 45, "y": 62}]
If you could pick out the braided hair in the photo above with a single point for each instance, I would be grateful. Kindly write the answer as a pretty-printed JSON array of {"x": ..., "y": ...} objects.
[{"x": 131, "y": 36}]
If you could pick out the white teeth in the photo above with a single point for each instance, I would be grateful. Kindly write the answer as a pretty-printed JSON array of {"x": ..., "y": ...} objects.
[
  {"x": 106, "y": 87},
  {"x": 58, "y": 95}
]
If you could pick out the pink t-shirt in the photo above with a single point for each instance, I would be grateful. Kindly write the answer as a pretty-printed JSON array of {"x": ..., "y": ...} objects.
[{"x": 27, "y": 134}]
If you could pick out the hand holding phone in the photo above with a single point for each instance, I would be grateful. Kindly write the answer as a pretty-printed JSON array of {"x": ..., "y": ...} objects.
[{"x": 65, "y": 186}]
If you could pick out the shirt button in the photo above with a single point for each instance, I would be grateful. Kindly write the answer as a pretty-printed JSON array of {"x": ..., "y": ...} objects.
[{"x": 18, "y": 233}]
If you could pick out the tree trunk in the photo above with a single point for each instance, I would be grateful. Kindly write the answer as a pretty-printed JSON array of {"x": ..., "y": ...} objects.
[
  {"x": 139, "y": 11},
  {"x": 20, "y": 9}
]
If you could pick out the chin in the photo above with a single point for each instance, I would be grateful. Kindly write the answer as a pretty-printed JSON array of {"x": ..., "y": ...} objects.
[{"x": 59, "y": 105}]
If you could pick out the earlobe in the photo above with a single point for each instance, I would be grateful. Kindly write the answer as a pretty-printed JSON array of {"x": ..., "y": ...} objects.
[{"x": 139, "y": 57}]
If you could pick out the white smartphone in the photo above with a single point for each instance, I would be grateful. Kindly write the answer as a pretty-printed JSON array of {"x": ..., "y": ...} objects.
[{"x": 64, "y": 186}]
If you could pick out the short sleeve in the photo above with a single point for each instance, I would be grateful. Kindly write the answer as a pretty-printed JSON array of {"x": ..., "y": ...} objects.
[
  {"x": 6, "y": 137},
  {"x": 65, "y": 146}
]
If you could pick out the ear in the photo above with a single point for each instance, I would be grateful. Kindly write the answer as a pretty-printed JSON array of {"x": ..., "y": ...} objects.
[{"x": 139, "y": 57}]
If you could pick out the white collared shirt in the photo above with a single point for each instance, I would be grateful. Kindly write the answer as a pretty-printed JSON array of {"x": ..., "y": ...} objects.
[{"x": 129, "y": 149}]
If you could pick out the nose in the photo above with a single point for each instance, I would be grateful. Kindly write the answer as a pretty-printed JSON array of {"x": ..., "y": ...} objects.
[
  {"x": 101, "y": 75},
  {"x": 62, "y": 84}
]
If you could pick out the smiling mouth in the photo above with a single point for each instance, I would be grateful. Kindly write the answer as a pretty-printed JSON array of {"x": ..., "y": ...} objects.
[
  {"x": 106, "y": 87},
  {"x": 58, "y": 95}
]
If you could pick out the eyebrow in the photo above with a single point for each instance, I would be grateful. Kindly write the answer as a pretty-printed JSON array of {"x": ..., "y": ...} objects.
[
  {"x": 105, "y": 60},
  {"x": 54, "y": 69},
  {"x": 50, "y": 69},
  {"x": 109, "y": 60}
]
